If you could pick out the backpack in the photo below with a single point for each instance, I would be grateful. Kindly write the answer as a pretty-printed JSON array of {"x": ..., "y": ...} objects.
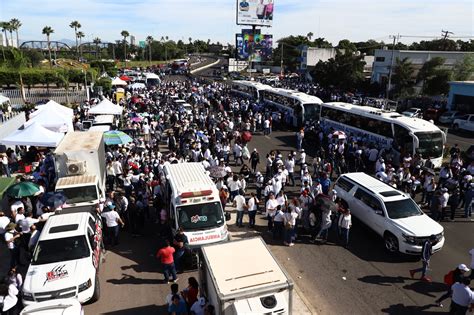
[{"x": 449, "y": 278}]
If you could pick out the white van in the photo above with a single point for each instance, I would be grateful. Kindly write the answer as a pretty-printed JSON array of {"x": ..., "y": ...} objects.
[
  {"x": 193, "y": 203},
  {"x": 389, "y": 212},
  {"x": 66, "y": 260}
]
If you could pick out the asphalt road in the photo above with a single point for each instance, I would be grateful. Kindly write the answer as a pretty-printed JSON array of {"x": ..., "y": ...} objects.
[{"x": 363, "y": 279}]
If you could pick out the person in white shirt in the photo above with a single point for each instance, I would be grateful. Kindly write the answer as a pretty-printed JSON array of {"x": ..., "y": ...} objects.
[
  {"x": 270, "y": 209},
  {"x": 234, "y": 185},
  {"x": 290, "y": 166},
  {"x": 4, "y": 221},
  {"x": 252, "y": 209},
  {"x": 112, "y": 221},
  {"x": 278, "y": 223},
  {"x": 240, "y": 206},
  {"x": 10, "y": 236},
  {"x": 462, "y": 298},
  {"x": 290, "y": 217},
  {"x": 118, "y": 170},
  {"x": 8, "y": 298},
  {"x": 345, "y": 223},
  {"x": 27, "y": 222},
  {"x": 199, "y": 306}
]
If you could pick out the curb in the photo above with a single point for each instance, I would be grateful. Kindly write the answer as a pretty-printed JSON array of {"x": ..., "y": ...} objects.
[{"x": 205, "y": 67}]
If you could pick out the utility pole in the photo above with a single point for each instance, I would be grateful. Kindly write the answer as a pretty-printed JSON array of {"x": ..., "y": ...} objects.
[
  {"x": 389, "y": 85},
  {"x": 281, "y": 59},
  {"x": 445, "y": 35}
]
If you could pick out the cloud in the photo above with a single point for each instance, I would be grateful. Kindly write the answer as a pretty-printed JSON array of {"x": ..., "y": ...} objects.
[{"x": 215, "y": 19}]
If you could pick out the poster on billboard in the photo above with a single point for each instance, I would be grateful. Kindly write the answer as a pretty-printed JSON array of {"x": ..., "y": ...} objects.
[
  {"x": 254, "y": 47},
  {"x": 255, "y": 12}
]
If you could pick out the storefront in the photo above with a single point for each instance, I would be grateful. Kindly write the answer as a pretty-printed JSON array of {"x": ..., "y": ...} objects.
[{"x": 461, "y": 96}]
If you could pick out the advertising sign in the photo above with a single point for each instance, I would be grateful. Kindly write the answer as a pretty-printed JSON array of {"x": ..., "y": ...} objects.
[
  {"x": 254, "y": 47},
  {"x": 255, "y": 12}
]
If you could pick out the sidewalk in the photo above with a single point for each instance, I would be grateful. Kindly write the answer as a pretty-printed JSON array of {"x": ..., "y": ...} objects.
[{"x": 300, "y": 304}]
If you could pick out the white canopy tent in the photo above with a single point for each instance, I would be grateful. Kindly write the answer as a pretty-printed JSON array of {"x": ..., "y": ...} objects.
[
  {"x": 34, "y": 135},
  {"x": 3, "y": 99},
  {"x": 118, "y": 81},
  {"x": 138, "y": 85},
  {"x": 63, "y": 110},
  {"x": 53, "y": 120},
  {"x": 106, "y": 107}
]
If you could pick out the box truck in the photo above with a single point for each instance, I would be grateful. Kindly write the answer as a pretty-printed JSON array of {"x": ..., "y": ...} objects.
[
  {"x": 243, "y": 277},
  {"x": 80, "y": 168}
]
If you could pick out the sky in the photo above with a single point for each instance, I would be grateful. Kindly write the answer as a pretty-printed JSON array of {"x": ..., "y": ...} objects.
[{"x": 215, "y": 20}]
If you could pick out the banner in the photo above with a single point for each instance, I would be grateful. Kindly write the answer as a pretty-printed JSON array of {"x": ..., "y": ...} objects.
[
  {"x": 253, "y": 47},
  {"x": 255, "y": 12}
]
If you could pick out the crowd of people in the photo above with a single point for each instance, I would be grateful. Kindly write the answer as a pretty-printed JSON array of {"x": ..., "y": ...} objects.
[{"x": 291, "y": 190}]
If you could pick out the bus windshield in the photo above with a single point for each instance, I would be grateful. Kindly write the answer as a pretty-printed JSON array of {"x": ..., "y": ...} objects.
[
  {"x": 311, "y": 112},
  {"x": 200, "y": 216},
  {"x": 431, "y": 144}
]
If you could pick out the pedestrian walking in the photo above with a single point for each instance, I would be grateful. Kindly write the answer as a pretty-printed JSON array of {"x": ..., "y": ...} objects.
[
  {"x": 345, "y": 224},
  {"x": 462, "y": 298},
  {"x": 181, "y": 244},
  {"x": 165, "y": 255},
  {"x": 426, "y": 252},
  {"x": 112, "y": 221},
  {"x": 240, "y": 207},
  {"x": 451, "y": 278},
  {"x": 252, "y": 207}
]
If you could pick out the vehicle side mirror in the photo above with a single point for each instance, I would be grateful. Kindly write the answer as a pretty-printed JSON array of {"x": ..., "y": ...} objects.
[
  {"x": 227, "y": 216},
  {"x": 379, "y": 212}
]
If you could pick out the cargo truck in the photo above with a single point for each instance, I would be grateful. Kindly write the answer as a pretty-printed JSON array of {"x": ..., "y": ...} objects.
[
  {"x": 243, "y": 277},
  {"x": 80, "y": 168}
]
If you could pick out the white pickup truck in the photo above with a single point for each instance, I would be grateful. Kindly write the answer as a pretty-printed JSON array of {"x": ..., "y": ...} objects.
[{"x": 465, "y": 122}]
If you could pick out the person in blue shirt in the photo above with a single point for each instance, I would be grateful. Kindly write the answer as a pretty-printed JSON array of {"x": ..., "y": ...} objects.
[
  {"x": 178, "y": 307},
  {"x": 325, "y": 183}
]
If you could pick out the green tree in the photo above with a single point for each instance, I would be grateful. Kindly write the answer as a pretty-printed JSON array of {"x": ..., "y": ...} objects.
[
  {"x": 76, "y": 25},
  {"x": 434, "y": 77},
  {"x": 309, "y": 35},
  {"x": 347, "y": 45},
  {"x": 125, "y": 34},
  {"x": 18, "y": 64},
  {"x": 62, "y": 80},
  {"x": 5, "y": 27},
  {"x": 79, "y": 36},
  {"x": 47, "y": 30},
  {"x": 402, "y": 78},
  {"x": 464, "y": 69},
  {"x": 16, "y": 24},
  {"x": 97, "y": 41}
]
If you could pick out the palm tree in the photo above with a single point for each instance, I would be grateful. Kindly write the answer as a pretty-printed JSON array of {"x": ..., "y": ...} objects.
[
  {"x": 149, "y": 40},
  {"x": 5, "y": 26},
  {"x": 75, "y": 25},
  {"x": 125, "y": 34},
  {"x": 310, "y": 34},
  {"x": 403, "y": 77},
  {"x": 48, "y": 30},
  {"x": 97, "y": 41},
  {"x": 10, "y": 30},
  {"x": 18, "y": 63},
  {"x": 79, "y": 36},
  {"x": 16, "y": 24}
]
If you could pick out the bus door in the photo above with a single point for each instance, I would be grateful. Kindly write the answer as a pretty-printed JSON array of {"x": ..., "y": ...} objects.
[
  {"x": 404, "y": 140},
  {"x": 298, "y": 116}
]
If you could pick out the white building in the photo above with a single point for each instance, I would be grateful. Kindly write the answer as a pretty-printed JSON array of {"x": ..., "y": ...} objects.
[
  {"x": 132, "y": 40},
  {"x": 310, "y": 56},
  {"x": 383, "y": 60}
]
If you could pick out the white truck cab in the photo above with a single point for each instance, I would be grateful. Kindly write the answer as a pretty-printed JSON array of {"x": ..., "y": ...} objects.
[
  {"x": 389, "y": 212},
  {"x": 66, "y": 260}
]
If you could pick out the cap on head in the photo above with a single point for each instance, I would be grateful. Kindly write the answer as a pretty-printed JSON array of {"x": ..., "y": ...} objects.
[{"x": 463, "y": 267}]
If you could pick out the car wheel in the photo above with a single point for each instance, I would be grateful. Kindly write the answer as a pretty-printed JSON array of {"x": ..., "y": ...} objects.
[
  {"x": 96, "y": 295},
  {"x": 391, "y": 243}
]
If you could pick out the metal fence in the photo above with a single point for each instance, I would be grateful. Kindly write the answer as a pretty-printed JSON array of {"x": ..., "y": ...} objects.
[{"x": 37, "y": 95}]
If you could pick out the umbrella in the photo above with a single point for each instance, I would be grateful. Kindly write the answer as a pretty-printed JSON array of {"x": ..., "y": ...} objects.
[
  {"x": 125, "y": 78},
  {"x": 217, "y": 172},
  {"x": 339, "y": 134},
  {"x": 53, "y": 199},
  {"x": 136, "y": 119},
  {"x": 246, "y": 136},
  {"x": 116, "y": 137},
  {"x": 22, "y": 189}
]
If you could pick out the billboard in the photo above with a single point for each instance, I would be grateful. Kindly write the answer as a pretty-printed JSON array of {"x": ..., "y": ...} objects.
[
  {"x": 255, "y": 12},
  {"x": 254, "y": 47}
]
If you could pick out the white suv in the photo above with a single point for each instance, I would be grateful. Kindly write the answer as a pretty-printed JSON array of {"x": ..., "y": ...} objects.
[
  {"x": 66, "y": 260},
  {"x": 389, "y": 212}
]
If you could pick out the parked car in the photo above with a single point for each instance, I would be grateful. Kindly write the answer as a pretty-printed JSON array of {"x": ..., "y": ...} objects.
[
  {"x": 465, "y": 123},
  {"x": 449, "y": 116},
  {"x": 413, "y": 112},
  {"x": 66, "y": 259},
  {"x": 389, "y": 212},
  {"x": 433, "y": 113}
]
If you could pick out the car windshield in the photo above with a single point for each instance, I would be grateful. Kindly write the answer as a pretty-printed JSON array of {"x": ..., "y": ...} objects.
[
  {"x": 402, "y": 209},
  {"x": 200, "y": 216},
  {"x": 411, "y": 110},
  {"x": 80, "y": 194},
  {"x": 61, "y": 249},
  {"x": 430, "y": 144}
]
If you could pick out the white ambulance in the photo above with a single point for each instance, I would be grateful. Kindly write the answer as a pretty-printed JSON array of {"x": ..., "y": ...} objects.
[{"x": 193, "y": 203}]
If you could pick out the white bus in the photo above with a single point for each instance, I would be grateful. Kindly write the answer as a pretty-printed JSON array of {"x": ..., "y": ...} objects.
[
  {"x": 386, "y": 129},
  {"x": 300, "y": 106},
  {"x": 193, "y": 203},
  {"x": 249, "y": 89}
]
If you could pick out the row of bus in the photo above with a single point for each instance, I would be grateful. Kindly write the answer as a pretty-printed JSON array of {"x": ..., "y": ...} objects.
[{"x": 384, "y": 128}]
